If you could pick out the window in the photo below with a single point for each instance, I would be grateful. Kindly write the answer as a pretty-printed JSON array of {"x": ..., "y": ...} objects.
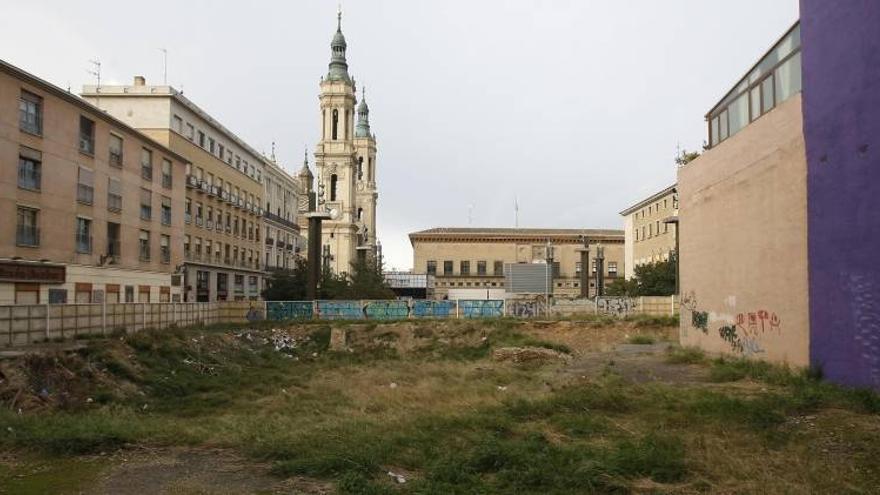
[
  {"x": 129, "y": 293},
  {"x": 86, "y": 135},
  {"x": 578, "y": 266},
  {"x": 166, "y": 173},
  {"x": 335, "y": 123},
  {"x": 190, "y": 132},
  {"x": 177, "y": 123},
  {"x": 333, "y": 181},
  {"x": 360, "y": 168},
  {"x": 199, "y": 214},
  {"x": 30, "y": 113},
  {"x": 146, "y": 164},
  {"x": 360, "y": 214},
  {"x": 221, "y": 151},
  {"x": 27, "y": 293},
  {"x": 211, "y": 145},
  {"x": 498, "y": 268},
  {"x": 612, "y": 268},
  {"x": 57, "y": 296},
  {"x": 166, "y": 210},
  {"x": 201, "y": 139},
  {"x": 187, "y": 210},
  {"x": 114, "y": 194},
  {"x": 27, "y": 232},
  {"x": 165, "y": 248},
  {"x": 113, "y": 239},
  {"x": 29, "y": 169},
  {"x": 464, "y": 268},
  {"x": 85, "y": 186},
  {"x": 146, "y": 204},
  {"x": 237, "y": 162},
  {"x": 447, "y": 268},
  {"x": 432, "y": 267},
  {"x": 144, "y": 245},
  {"x": 83, "y": 235},
  {"x": 115, "y": 148},
  {"x": 481, "y": 268}
]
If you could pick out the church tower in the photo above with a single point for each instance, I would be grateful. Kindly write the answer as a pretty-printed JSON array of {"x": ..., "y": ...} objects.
[
  {"x": 337, "y": 154},
  {"x": 365, "y": 178}
]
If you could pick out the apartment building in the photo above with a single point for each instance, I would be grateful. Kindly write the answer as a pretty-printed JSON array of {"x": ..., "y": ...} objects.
[
  {"x": 284, "y": 242},
  {"x": 467, "y": 261},
  {"x": 223, "y": 211},
  {"x": 649, "y": 235},
  {"x": 93, "y": 210}
]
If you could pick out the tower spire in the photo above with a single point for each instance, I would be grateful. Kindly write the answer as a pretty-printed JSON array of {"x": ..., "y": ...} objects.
[
  {"x": 338, "y": 65},
  {"x": 363, "y": 112}
]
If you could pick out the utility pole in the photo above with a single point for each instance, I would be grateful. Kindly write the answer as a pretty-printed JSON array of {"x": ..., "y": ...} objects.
[
  {"x": 600, "y": 270},
  {"x": 317, "y": 213}
]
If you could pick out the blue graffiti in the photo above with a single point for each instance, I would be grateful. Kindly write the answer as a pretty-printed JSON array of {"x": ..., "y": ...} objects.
[
  {"x": 386, "y": 310},
  {"x": 481, "y": 308},
  {"x": 289, "y": 310},
  {"x": 433, "y": 309},
  {"x": 340, "y": 310}
]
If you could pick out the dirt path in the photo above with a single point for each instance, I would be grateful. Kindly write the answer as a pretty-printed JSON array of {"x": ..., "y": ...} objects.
[{"x": 184, "y": 471}]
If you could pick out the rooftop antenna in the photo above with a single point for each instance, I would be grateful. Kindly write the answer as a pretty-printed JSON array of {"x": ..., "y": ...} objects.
[
  {"x": 516, "y": 211},
  {"x": 96, "y": 71},
  {"x": 164, "y": 66}
]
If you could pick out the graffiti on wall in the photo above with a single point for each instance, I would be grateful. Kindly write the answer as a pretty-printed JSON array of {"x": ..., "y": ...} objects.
[
  {"x": 744, "y": 335},
  {"x": 524, "y": 309},
  {"x": 423, "y": 308},
  {"x": 617, "y": 306},
  {"x": 340, "y": 310},
  {"x": 386, "y": 310},
  {"x": 471, "y": 308},
  {"x": 289, "y": 310}
]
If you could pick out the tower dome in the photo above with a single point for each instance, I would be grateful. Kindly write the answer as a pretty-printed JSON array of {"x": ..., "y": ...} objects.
[{"x": 363, "y": 111}]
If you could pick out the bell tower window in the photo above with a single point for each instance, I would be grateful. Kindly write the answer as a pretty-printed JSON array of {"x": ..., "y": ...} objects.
[
  {"x": 360, "y": 214},
  {"x": 333, "y": 180},
  {"x": 335, "y": 130},
  {"x": 360, "y": 168}
]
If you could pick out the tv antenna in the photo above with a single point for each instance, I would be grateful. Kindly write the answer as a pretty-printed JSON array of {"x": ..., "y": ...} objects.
[{"x": 96, "y": 71}]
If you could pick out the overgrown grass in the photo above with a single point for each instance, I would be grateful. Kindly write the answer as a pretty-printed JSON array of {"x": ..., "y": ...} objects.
[
  {"x": 642, "y": 340},
  {"x": 685, "y": 355},
  {"x": 456, "y": 424}
]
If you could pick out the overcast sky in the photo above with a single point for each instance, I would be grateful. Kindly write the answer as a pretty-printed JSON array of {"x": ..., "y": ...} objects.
[{"x": 576, "y": 107}]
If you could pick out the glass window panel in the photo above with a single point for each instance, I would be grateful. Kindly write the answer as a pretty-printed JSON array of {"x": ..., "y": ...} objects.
[
  {"x": 723, "y": 134},
  {"x": 788, "y": 78},
  {"x": 738, "y": 114},
  {"x": 756, "y": 102},
  {"x": 767, "y": 93},
  {"x": 715, "y": 131}
]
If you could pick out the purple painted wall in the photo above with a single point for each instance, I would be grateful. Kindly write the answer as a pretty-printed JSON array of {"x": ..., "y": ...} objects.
[{"x": 841, "y": 102}]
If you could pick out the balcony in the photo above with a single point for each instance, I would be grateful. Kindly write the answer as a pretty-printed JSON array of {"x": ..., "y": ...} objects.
[
  {"x": 27, "y": 235},
  {"x": 282, "y": 221},
  {"x": 85, "y": 194},
  {"x": 29, "y": 178},
  {"x": 215, "y": 191},
  {"x": 200, "y": 221},
  {"x": 191, "y": 181},
  {"x": 270, "y": 241},
  {"x": 204, "y": 187}
]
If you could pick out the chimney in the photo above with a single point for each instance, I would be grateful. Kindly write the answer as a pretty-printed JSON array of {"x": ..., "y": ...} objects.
[{"x": 139, "y": 81}]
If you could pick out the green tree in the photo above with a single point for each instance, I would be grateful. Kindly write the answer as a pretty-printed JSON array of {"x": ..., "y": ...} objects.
[
  {"x": 288, "y": 284},
  {"x": 650, "y": 279},
  {"x": 366, "y": 281},
  {"x": 684, "y": 157}
]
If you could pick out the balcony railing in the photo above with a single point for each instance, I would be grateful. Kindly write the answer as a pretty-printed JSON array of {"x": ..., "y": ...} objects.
[
  {"x": 116, "y": 158},
  {"x": 29, "y": 178},
  {"x": 85, "y": 194},
  {"x": 114, "y": 202},
  {"x": 27, "y": 235},
  {"x": 191, "y": 181},
  {"x": 83, "y": 243},
  {"x": 281, "y": 220}
]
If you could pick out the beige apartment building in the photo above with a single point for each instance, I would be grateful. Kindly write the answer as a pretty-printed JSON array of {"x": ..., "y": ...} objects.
[
  {"x": 223, "y": 211},
  {"x": 649, "y": 235},
  {"x": 93, "y": 210},
  {"x": 282, "y": 193},
  {"x": 463, "y": 260},
  {"x": 744, "y": 277}
]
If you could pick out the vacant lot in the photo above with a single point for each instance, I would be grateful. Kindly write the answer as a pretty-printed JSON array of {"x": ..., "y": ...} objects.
[{"x": 484, "y": 407}]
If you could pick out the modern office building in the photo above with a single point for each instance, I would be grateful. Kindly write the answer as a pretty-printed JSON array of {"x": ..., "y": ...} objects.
[
  {"x": 345, "y": 158},
  {"x": 650, "y": 236},
  {"x": 224, "y": 216},
  {"x": 467, "y": 262},
  {"x": 94, "y": 208}
]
